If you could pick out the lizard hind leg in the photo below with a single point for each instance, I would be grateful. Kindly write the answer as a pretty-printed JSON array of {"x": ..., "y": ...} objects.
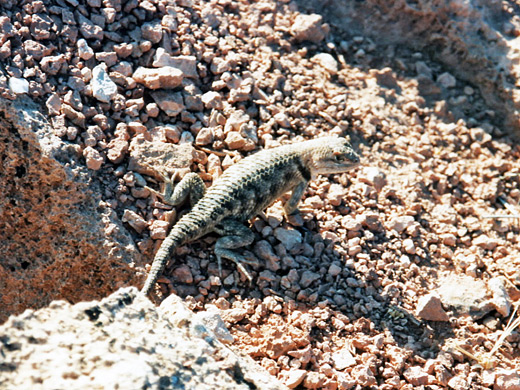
[
  {"x": 234, "y": 235},
  {"x": 191, "y": 185}
]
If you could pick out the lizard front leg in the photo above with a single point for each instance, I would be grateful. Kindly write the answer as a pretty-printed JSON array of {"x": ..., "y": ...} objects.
[
  {"x": 234, "y": 235},
  {"x": 292, "y": 204},
  {"x": 191, "y": 184}
]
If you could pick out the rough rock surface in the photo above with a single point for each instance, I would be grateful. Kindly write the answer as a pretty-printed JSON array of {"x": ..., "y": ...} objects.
[
  {"x": 59, "y": 238},
  {"x": 122, "y": 341}
]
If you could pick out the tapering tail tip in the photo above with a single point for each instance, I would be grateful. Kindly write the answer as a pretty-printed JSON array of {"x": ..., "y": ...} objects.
[
  {"x": 158, "y": 264},
  {"x": 148, "y": 285}
]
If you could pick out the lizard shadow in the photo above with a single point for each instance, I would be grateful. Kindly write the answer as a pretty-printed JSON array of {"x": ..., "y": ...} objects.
[{"x": 325, "y": 277}]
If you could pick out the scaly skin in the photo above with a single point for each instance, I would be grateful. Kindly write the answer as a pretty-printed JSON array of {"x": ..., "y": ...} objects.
[{"x": 244, "y": 190}]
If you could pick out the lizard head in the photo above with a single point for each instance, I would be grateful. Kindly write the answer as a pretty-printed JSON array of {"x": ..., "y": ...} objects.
[{"x": 329, "y": 155}]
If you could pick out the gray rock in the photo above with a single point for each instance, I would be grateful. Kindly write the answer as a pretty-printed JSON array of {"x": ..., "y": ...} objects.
[
  {"x": 103, "y": 88},
  {"x": 465, "y": 295},
  {"x": 187, "y": 64},
  {"x": 171, "y": 103},
  {"x": 500, "y": 299},
  {"x": 289, "y": 237},
  {"x": 122, "y": 341}
]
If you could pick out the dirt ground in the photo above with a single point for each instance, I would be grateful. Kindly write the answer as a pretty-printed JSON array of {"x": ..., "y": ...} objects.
[{"x": 398, "y": 275}]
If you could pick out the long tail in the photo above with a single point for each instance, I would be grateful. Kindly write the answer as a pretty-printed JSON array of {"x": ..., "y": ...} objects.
[
  {"x": 159, "y": 262},
  {"x": 184, "y": 230}
]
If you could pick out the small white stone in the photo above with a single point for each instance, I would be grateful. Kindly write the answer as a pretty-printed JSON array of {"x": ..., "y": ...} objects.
[
  {"x": 85, "y": 52},
  {"x": 409, "y": 246},
  {"x": 93, "y": 158},
  {"x": 18, "y": 85},
  {"x": 343, "y": 359},
  {"x": 103, "y": 88},
  {"x": 327, "y": 61},
  {"x": 446, "y": 80},
  {"x": 501, "y": 299}
]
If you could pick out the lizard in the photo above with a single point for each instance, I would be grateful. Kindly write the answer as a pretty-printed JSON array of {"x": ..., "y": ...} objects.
[{"x": 244, "y": 190}]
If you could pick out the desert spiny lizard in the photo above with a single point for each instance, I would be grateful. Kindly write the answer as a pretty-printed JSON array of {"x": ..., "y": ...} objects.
[{"x": 244, "y": 190}]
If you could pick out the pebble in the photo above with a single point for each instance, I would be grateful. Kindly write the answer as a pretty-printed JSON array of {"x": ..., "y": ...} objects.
[
  {"x": 108, "y": 57},
  {"x": 409, "y": 246},
  {"x": 429, "y": 308},
  {"x": 293, "y": 378},
  {"x": 445, "y": 213},
  {"x": 465, "y": 294},
  {"x": 342, "y": 359},
  {"x": 41, "y": 26},
  {"x": 166, "y": 77},
  {"x": 123, "y": 67},
  {"x": 18, "y": 85},
  {"x": 363, "y": 376},
  {"x": 152, "y": 109},
  {"x": 88, "y": 29},
  {"x": 309, "y": 28},
  {"x": 486, "y": 242},
  {"x": 36, "y": 49},
  {"x": 288, "y": 237},
  {"x": 336, "y": 194},
  {"x": 93, "y": 158},
  {"x": 170, "y": 102},
  {"x": 446, "y": 80},
  {"x": 334, "y": 270},
  {"x": 53, "y": 104},
  {"x": 152, "y": 32},
  {"x": 137, "y": 127},
  {"x": 103, "y": 88},
  {"x": 137, "y": 222},
  {"x": 449, "y": 239},
  {"x": 183, "y": 274},
  {"x": 458, "y": 383},
  {"x": 187, "y": 64},
  {"x": 76, "y": 117},
  {"x": 314, "y": 380},
  {"x": 186, "y": 138},
  {"x": 159, "y": 229},
  {"x": 350, "y": 223},
  {"x": 327, "y": 61},
  {"x": 416, "y": 376},
  {"x": 213, "y": 166},
  {"x": 282, "y": 119},
  {"x": 399, "y": 224},
  {"x": 423, "y": 69},
  {"x": 500, "y": 299},
  {"x": 220, "y": 65},
  {"x": 212, "y": 99},
  {"x": 234, "y": 140},
  {"x": 124, "y": 50},
  {"x": 308, "y": 277},
  {"x": 214, "y": 323},
  {"x": 204, "y": 137}
]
